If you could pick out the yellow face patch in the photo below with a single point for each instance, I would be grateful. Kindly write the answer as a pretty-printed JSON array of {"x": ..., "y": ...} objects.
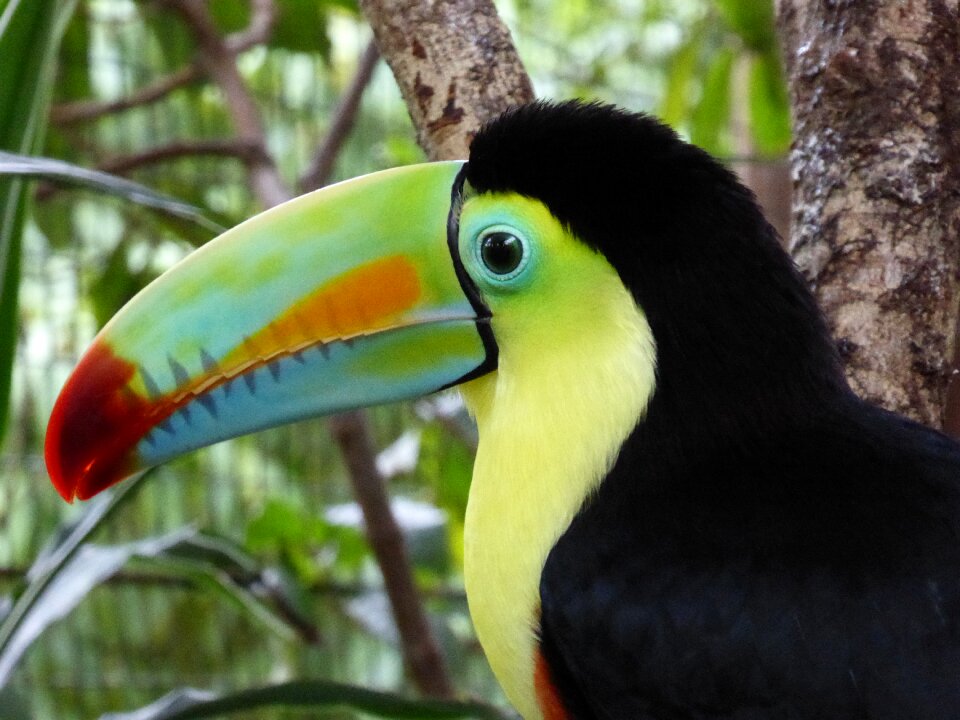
[{"x": 576, "y": 369}]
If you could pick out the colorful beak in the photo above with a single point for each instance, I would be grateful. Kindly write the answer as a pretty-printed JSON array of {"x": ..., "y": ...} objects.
[{"x": 343, "y": 298}]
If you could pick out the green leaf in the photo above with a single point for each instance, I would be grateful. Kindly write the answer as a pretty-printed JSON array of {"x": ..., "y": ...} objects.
[
  {"x": 230, "y": 16},
  {"x": 64, "y": 172},
  {"x": 13, "y": 703},
  {"x": 88, "y": 568},
  {"x": 349, "y": 6},
  {"x": 264, "y": 593},
  {"x": 56, "y": 222},
  {"x": 216, "y": 552},
  {"x": 173, "y": 37},
  {"x": 711, "y": 114},
  {"x": 281, "y": 523},
  {"x": 752, "y": 20},
  {"x": 115, "y": 285},
  {"x": 73, "y": 81},
  {"x": 190, "y": 704},
  {"x": 56, "y": 581},
  {"x": 30, "y": 32},
  {"x": 11, "y": 228},
  {"x": 680, "y": 77},
  {"x": 452, "y": 467},
  {"x": 769, "y": 106},
  {"x": 301, "y": 26},
  {"x": 293, "y": 535},
  {"x": 401, "y": 149}
]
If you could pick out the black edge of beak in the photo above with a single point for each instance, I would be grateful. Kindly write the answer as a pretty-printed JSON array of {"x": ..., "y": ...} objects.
[{"x": 469, "y": 289}]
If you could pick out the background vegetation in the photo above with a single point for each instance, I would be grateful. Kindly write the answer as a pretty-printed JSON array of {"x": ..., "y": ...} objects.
[{"x": 246, "y": 563}]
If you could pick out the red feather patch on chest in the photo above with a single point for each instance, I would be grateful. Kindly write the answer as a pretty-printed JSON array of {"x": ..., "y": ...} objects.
[{"x": 547, "y": 697}]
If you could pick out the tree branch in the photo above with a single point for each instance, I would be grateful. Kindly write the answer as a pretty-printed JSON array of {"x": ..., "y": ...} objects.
[
  {"x": 455, "y": 64},
  {"x": 240, "y": 149},
  {"x": 321, "y": 167},
  {"x": 73, "y": 113},
  {"x": 421, "y": 650}
]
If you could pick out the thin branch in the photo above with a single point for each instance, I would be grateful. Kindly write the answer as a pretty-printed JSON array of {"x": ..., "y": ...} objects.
[
  {"x": 321, "y": 167},
  {"x": 72, "y": 113},
  {"x": 240, "y": 149},
  {"x": 421, "y": 650}
]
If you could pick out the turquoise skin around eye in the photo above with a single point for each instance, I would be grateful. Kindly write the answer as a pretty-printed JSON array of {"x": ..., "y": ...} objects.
[{"x": 477, "y": 226}]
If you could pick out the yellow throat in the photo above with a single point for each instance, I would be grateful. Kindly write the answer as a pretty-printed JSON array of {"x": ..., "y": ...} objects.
[{"x": 575, "y": 372}]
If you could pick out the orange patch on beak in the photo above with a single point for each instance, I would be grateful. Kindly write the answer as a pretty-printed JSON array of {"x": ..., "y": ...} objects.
[{"x": 364, "y": 300}]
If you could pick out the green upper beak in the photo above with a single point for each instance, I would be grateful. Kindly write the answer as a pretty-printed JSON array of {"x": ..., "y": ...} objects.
[{"x": 342, "y": 298}]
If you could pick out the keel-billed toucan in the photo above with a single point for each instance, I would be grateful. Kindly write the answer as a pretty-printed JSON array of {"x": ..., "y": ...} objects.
[{"x": 678, "y": 509}]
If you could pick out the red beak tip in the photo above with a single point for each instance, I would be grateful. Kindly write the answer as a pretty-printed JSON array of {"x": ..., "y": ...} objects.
[
  {"x": 66, "y": 490},
  {"x": 95, "y": 424}
]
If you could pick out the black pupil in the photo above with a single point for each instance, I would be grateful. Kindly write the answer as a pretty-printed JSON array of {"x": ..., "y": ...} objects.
[{"x": 501, "y": 252}]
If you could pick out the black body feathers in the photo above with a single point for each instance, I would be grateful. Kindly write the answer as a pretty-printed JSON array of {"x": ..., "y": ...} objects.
[{"x": 766, "y": 545}]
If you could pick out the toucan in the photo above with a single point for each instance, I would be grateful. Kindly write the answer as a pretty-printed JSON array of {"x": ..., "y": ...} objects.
[{"x": 679, "y": 509}]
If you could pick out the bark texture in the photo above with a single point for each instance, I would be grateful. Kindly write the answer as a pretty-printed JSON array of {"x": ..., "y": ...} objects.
[
  {"x": 875, "y": 88},
  {"x": 455, "y": 64}
]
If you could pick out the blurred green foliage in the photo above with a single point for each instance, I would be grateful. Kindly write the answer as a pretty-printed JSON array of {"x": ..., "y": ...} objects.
[
  {"x": 295, "y": 537},
  {"x": 31, "y": 32},
  {"x": 730, "y": 60},
  {"x": 269, "y": 586}
]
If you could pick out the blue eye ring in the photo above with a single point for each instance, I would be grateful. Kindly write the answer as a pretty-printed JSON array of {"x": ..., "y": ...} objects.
[{"x": 502, "y": 252}]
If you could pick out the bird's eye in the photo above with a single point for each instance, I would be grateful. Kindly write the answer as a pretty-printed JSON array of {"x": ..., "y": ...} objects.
[{"x": 501, "y": 252}]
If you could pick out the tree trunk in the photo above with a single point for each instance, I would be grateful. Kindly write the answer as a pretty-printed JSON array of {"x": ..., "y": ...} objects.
[
  {"x": 455, "y": 64},
  {"x": 875, "y": 89}
]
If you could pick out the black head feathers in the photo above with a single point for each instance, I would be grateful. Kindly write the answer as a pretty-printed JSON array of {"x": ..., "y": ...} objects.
[
  {"x": 726, "y": 305},
  {"x": 624, "y": 182}
]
